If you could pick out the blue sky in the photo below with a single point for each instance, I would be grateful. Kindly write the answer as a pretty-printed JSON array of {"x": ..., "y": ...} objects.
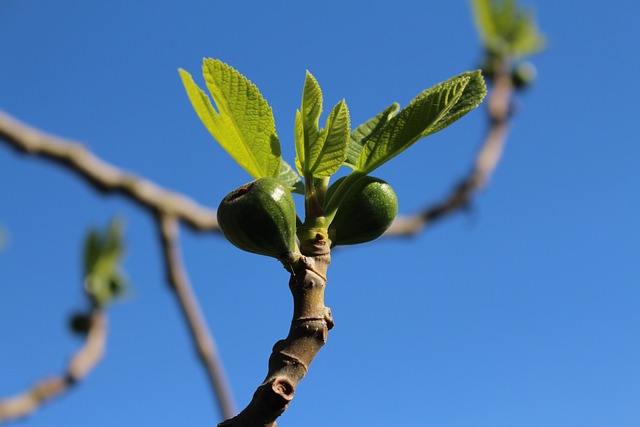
[{"x": 523, "y": 312}]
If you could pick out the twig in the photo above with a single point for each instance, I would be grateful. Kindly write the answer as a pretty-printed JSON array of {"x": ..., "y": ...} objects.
[
  {"x": 291, "y": 357},
  {"x": 79, "y": 367},
  {"x": 104, "y": 176},
  {"x": 202, "y": 338},
  {"x": 168, "y": 205},
  {"x": 485, "y": 164}
]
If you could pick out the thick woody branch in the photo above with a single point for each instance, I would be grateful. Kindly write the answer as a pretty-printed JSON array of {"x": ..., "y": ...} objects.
[
  {"x": 291, "y": 357},
  {"x": 79, "y": 367},
  {"x": 104, "y": 176},
  {"x": 202, "y": 338},
  {"x": 487, "y": 159}
]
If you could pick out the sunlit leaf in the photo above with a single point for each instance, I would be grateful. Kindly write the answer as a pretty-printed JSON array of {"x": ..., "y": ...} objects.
[
  {"x": 328, "y": 153},
  {"x": 360, "y": 135},
  {"x": 307, "y": 123},
  {"x": 429, "y": 112},
  {"x": 244, "y": 124}
]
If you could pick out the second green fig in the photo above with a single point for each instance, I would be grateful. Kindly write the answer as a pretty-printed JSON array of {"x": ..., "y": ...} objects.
[{"x": 367, "y": 211}]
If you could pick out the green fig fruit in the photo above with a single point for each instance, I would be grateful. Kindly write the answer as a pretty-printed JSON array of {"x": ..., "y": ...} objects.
[
  {"x": 523, "y": 75},
  {"x": 367, "y": 211},
  {"x": 260, "y": 217}
]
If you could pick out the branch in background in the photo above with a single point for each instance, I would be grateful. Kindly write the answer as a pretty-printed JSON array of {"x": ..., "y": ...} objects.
[
  {"x": 169, "y": 206},
  {"x": 79, "y": 367},
  {"x": 487, "y": 159},
  {"x": 202, "y": 338},
  {"x": 104, "y": 176}
]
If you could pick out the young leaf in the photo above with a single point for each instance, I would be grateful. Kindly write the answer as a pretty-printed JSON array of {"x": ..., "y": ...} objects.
[
  {"x": 319, "y": 152},
  {"x": 329, "y": 151},
  {"x": 103, "y": 276},
  {"x": 360, "y": 135},
  {"x": 505, "y": 28},
  {"x": 527, "y": 39},
  {"x": 290, "y": 178},
  {"x": 307, "y": 121},
  {"x": 244, "y": 126},
  {"x": 298, "y": 137},
  {"x": 483, "y": 15},
  {"x": 431, "y": 111}
]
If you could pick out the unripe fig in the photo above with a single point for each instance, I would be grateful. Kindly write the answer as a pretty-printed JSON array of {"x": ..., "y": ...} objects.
[
  {"x": 260, "y": 217},
  {"x": 523, "y": 75},
  {"x": 367, "y": 211}
]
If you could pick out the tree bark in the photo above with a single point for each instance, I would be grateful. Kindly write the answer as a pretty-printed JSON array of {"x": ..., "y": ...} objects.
[{"x": 291, "y": 357}]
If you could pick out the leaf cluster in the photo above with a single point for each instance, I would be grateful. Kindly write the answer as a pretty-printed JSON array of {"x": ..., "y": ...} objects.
[
  {"x": 507, "y": 29},
  {"x": 103, "y": 276},
  {"x": 244, "y": 126}
]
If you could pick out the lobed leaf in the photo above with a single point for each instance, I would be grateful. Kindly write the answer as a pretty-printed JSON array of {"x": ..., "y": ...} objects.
[{"x": 244, "y": 124}]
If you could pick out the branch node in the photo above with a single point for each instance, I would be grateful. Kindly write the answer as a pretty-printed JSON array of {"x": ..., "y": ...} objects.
[
  {"x": 284, "y": 389},
  {"x": 328, "y": 317}
]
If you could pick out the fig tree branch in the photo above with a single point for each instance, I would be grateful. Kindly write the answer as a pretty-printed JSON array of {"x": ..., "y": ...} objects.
[
  {"x": 104, "y": 176},
  {"x": 169, "y": 207},
  {"x": 206, "y": 349},
  {"x": 78, "y": 368},
  {"x": 291, "y": 357},
  {"x": 486, "y": 161}
]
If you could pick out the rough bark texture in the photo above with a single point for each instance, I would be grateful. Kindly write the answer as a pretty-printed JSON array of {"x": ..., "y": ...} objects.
[{"x": 292, "y": 356}]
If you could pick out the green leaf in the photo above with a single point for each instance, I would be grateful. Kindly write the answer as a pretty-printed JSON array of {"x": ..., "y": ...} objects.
[
  {"x": 91, "y": 251},
  {"x": 472, "y": 95},
  {"x": 360, "y": 135},
  {"x": 311, "y": 108},
  {"x": 298, "y": 136},
  {"x": 244, "y": 125},
  {"x": 290, "y": 178},
  {"x": 329, "y": 151},
  {"x": 432, "y": 110},
  {"x": 319, "y": 152},
  {"x": 483, "y": 16},
  {"x": 103, "y": 251},
  {"x": 506, "y": 29},
  {"x": 307, "y": 122},
  {"x": 526, "y": 39}
]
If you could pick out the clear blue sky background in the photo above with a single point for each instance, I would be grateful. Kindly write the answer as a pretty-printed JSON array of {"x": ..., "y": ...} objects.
[{"x": 522, "y": 313}]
